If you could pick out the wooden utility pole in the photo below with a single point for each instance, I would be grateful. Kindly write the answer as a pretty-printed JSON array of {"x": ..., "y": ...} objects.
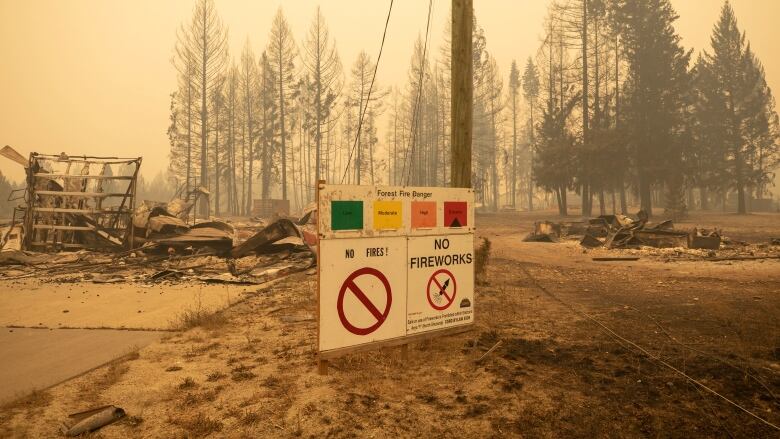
[{"x": 462, "y": 92}]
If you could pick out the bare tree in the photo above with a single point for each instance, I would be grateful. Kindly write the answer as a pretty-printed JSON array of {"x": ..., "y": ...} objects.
[
  {"x": 248, "y": 93},
  {"x": 514, "y": 90},
  {"x": 324, "y": 67},
  {"x": 281, "y": 54},
  {"x": 362, "y": 72},
  {"x": 205, "y": 41},
  {"x": 266, "y": 93},
  {"x": 186, "y": 97}
]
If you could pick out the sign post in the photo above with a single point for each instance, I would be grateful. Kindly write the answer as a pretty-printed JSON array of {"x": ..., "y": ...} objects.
[{"x": 396, "y": 265}]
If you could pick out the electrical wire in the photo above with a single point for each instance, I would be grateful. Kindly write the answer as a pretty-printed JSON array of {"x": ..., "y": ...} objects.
[
  {"x": 404, "y": 175},
  {"x": 370, "y": 88},
  {"x": 656, "y": 358}
]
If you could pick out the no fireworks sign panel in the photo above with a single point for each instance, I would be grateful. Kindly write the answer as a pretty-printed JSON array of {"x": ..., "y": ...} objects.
[
  {"x": 440, "y": 285},
  {"x": 394, "y": 262}
]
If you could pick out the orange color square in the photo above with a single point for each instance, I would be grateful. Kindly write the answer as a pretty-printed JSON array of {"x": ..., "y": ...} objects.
[{"x": 423, "y": 214}]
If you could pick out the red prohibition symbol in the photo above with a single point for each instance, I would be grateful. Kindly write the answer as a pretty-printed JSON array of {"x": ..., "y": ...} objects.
[
  {"x": 349, "y": 284},
  {"x": 439, "y": 295}
]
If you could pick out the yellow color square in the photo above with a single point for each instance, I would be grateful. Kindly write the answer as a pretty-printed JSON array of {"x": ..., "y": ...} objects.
[{"x": 387, "y": 215}]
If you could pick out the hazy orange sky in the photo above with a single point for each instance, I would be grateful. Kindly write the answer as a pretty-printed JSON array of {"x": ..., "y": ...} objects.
[{"x": 94, "y": 76}]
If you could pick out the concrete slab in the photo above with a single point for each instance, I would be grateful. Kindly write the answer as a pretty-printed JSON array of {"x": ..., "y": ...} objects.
[
  {"x": 31, "y": 303},
  {"x": 32, "y": 359}
]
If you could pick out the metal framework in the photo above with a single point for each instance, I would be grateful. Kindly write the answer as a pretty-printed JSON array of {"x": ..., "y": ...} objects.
[{"x": 79, "y": 202}]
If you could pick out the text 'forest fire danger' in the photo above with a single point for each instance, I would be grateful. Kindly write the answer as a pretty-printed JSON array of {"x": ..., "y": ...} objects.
[{"x": 408, "y": 270}]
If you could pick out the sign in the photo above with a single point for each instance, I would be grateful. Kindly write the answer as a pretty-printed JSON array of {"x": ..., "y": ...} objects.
[
  {"x": 351, "y": 286},
  {"x": 362, "y": 291},
  {"x": 455, "y": 214},
  {"x": 393, "y": 262},
  {"x": 346, "y": 215},
  {"x": 387, "y": 215},
  {"x": 423, "y": 214},
  {"x": 440, "y": 282},
  {"x": 441, "y": 294}
]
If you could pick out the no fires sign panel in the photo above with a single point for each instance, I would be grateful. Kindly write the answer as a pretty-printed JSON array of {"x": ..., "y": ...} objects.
[
  {"x": 362, "y": 291},
  {"x": 440, "y": 286}
]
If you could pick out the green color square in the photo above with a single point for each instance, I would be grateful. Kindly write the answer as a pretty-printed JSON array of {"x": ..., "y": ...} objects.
[{"x": 346, "y": 215}]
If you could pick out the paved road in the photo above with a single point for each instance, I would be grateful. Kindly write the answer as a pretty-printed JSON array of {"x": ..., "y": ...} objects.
[{"x": 38, "y": 358}]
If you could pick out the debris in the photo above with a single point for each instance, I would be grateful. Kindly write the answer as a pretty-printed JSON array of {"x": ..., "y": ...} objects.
[
  {"x": 94, "y": 419},
  {"x": 775, "y": 241},
  {"x": 79, "y": 202},
  {"x": 495, "y": 346},
  {"x": 590, "y": 241},
  {"x": 227, "y": 278},
  {"x": 262, "y": 241},
  {"x": 744, "y": 258},
  {"x": 18, "y": 257},
  {"x": 107, "y": 278},
  {"x": 704, "y": 239},
  {"x": 166, "y": 274},
  {"x": 11, "y": 237},
  {"x": 209, "y": 236},
  {"x": 540, "y": 238},
  {"x": 12, "y": 154},
  {"x": 616, "y": 259},
  {"x": 547, "y": 228},
  {"x": 661, "y": 238}
]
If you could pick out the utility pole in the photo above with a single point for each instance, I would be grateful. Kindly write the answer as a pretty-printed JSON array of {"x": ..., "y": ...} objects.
[{"x": 462, "y": 92}]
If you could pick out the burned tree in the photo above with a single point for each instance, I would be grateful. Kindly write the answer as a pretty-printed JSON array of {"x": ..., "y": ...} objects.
[{"x": 204, "y": 44}]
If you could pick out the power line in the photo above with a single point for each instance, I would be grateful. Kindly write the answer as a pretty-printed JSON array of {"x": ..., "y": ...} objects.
[
  {"x": 658, "y": 359},
  {"x": 368, "y": 99},
  {"x": 404, "y": 175}
]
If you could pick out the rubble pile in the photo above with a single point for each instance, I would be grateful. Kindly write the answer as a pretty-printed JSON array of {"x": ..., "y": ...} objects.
[
  {"x": 636, "y": 234},
  {"x": 78, "y": 221},
  {"x": 241, "y": 252},
  {"x": 267, "y": 255}
]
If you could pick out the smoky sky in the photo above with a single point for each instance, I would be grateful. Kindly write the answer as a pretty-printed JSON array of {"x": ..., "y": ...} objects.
[{"x": 94, "y": 76}]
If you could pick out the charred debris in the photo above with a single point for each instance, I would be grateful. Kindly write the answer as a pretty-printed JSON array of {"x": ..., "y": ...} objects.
[
  {"x": 637, "y": 235},
  {"x": 79, "y": 219}
]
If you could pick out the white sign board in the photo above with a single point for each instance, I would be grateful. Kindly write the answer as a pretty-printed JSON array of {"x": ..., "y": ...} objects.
[
  {"x": 364, "y": 296},
  {"x": 440, "y": 291},
  {"x": 393, "y": 262}
]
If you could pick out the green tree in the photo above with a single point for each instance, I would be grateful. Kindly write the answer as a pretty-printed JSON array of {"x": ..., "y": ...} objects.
[
  {"x": 555, "y": 150},
  {"x": 531, "y": 94},
  {"x": 655, "y": 91},
  {"x": 735, "y": 113}
]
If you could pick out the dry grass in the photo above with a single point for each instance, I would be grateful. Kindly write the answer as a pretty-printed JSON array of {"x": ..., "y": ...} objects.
[
  {"x": 187, "y": 383},
  {"x": 242, "y": 373},
  {"x": 198, "y": 316},
  {"x": 201, "y": 318},
  {"x": 215, "y": 376},
  {"x": 198, "y": 425},
  {"x": 250, "y": 418},
  {"x": 109, "y": 376},
  {"x": 36, "y": 399}
]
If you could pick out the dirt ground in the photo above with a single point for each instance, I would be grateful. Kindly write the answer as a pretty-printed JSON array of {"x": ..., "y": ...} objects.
[{"x": 251, "y": 372}]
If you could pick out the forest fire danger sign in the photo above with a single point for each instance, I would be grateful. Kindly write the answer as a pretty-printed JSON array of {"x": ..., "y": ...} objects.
[
  {"x": 440, "y": 282},
  {"x": 393, "y": 262}
]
